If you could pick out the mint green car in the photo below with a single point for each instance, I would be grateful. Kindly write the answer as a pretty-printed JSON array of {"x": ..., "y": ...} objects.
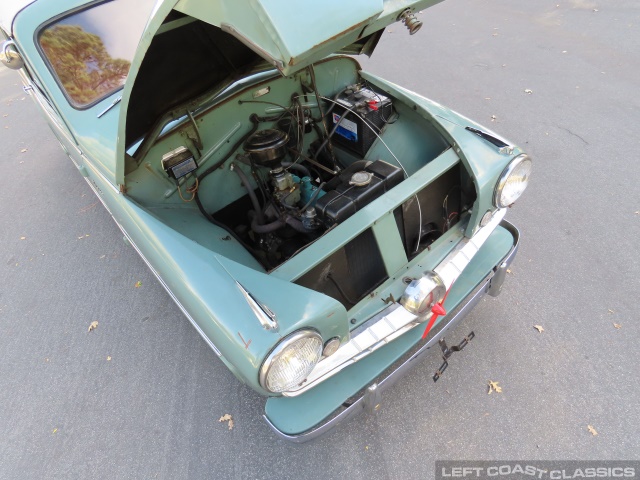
[{"x": 320, "y": 227}]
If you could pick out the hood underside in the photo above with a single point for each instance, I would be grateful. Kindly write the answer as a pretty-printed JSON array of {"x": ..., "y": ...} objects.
[{"x": 194, "y": 46}]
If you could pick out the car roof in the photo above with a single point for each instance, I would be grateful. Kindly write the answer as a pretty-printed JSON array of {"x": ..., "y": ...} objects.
[{"x": 8, "y": 11}]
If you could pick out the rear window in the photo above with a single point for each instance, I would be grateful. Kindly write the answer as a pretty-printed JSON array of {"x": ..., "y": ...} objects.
[{"x": 90, "y": 52}]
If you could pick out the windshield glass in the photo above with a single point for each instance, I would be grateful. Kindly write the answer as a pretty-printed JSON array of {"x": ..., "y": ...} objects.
[{"x": 90, "y": 52}]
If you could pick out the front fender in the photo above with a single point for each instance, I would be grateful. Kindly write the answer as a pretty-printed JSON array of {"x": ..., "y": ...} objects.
[{"x": 203, "y": 284}]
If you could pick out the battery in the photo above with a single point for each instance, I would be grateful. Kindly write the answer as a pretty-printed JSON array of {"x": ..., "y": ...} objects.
[{"x": 352, "y": 134}]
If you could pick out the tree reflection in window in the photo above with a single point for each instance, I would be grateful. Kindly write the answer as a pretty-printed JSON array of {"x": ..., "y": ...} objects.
[{"x": 83, "y": 64}]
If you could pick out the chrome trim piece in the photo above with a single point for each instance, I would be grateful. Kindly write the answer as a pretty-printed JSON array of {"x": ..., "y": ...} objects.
[
  {"x": 359, "y": 405},
  {"x": 453, "y": 264},
  {"x": 11, "y": 58},
  {"x": 395, "y": 320},
  {"x": 504, "y": 176},
  {"x": 264, "y": 315},
  {"x": 422, "y": 294},
  {"x": 113, "y": 104},
  {"x": 99, "y": 173},
  {"x": 501, "y": 271}
]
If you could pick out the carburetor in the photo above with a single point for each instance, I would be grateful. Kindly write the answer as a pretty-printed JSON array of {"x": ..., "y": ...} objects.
[{"x": 285, "y": 190}]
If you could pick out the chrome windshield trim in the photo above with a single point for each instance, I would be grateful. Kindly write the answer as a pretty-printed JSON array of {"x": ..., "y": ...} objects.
[{"x": 395, "y": 320}]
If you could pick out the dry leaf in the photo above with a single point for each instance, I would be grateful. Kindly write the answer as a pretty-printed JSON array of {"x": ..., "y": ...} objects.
[
  {"x": 592, "y": 430},
  {"x": 23, "y": 150},
  {"x": 617, "y": 325},
  {"x": 508, "y": 270},
  {"x": 227, "y": 418},
  {"x": 528, "y": 91},
  {"x": 539, "y": 328},
  {"x": 138, "y": 284},
  {"x": 493, "y": 386},
  {"x": 93, "y": 325},
  {"x": 108, "y": 359}
]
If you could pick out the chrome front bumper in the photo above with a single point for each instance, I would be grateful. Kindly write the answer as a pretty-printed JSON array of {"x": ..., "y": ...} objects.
[{"x": 370, "y": 397}]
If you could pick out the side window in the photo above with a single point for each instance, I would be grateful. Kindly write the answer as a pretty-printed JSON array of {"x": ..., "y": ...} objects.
[{"x": 90, "y": 52}]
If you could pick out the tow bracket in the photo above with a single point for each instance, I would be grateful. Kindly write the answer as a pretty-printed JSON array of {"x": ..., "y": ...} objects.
[{"x": 448, "y": 351}]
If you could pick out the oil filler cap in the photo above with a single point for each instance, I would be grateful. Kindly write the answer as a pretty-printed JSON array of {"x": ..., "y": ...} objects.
[{"x": 361, "y": 179}]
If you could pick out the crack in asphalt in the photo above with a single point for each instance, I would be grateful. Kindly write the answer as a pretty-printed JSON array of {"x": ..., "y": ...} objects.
[{"x": 574, "y": 134}]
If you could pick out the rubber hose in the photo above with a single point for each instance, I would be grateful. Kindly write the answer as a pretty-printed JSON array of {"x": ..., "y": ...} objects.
[
  {"x": 251, "y": 192},
  {"x": 296, "y": 166},
  {"x": 267, "y": 228}
]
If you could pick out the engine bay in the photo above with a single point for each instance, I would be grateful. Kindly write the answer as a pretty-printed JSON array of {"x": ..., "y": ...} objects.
[
  {"x": 294, "y": 196},
  {"x": 301, "y": 163}
]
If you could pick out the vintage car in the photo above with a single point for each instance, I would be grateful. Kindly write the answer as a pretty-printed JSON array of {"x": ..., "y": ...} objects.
[{"x": 320, "y": 227}]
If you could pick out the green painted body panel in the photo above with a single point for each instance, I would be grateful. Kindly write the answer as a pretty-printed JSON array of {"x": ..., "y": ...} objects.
[
  {"x": 293, "y": 415},
  {"x": 292, "y": 45}
]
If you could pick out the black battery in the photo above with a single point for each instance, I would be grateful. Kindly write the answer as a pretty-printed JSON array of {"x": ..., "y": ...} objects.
[
  {"x": 357, "y": 192},
  {"x": 351, "y": 133}
]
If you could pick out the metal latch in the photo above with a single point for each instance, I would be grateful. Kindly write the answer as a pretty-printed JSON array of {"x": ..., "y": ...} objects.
[{"x": 448, "y": 351}]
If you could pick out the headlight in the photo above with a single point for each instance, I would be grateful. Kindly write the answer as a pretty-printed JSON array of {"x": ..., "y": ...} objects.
[
  {"x": 513, "y": 181},
  {"x": 291, "y": 361},
  {"x": 422, "y": 294}
]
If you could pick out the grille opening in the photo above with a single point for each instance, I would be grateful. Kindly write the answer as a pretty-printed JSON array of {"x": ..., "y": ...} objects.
[
  {"x": 442, "y": 203},
  {"x": 350, "y": 273}
]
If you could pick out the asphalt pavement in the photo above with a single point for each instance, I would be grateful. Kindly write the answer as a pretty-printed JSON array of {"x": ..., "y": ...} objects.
[{"x": 141, "y": 395}]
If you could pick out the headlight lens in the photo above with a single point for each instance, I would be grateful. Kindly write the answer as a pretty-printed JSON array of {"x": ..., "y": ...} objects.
[
  {"x": 291, "y": 361},
  {"x": 513, "y": 181}
]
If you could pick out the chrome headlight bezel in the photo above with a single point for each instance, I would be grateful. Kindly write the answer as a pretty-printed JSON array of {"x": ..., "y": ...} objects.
[
  {"x": 504, "y": 178},
  {"x": 280, "y": 349}
]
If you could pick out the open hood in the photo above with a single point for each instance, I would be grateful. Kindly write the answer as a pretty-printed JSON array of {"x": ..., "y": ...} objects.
[{"x": 288, "y": 35}]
